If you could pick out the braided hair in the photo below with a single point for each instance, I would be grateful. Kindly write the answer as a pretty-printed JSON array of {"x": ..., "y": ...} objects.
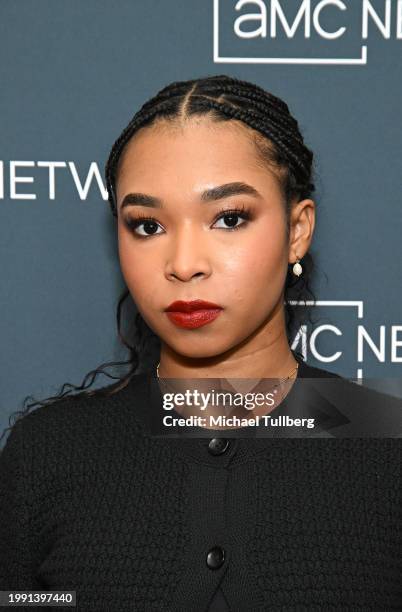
[
  {"x": 278, "y": 144},
  {"x": 225, "y": 98}
]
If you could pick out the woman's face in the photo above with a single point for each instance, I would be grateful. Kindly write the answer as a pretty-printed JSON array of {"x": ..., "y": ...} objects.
[{"x": 189, "y": 251}]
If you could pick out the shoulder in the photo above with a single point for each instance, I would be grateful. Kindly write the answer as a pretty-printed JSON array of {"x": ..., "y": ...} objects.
[
  {"x": 82, "y": 416},
  {"x": 59, "y": 444},
  {"x": 349, "y": 387},
  {"x": 368, "y": 412}
]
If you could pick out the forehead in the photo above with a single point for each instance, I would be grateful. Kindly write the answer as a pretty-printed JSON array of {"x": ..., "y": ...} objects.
[
  {"x": 198, "y": 150},
  {"x": 202, "y": 138}
]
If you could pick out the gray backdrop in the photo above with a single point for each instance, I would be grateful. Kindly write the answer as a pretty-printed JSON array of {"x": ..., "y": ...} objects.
[{"x": 73, "y": 73}]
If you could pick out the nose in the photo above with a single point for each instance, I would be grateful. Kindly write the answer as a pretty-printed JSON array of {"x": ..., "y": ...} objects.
[{"x": 188, "y": 255}]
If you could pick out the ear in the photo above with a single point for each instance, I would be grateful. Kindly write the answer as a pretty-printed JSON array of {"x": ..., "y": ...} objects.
[{"x": 302, "y": 223}]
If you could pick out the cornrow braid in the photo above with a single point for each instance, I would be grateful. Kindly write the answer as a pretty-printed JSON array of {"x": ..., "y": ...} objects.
[
  {"x": 226, "y": 98},
  {"x": 280, "y": 144}
]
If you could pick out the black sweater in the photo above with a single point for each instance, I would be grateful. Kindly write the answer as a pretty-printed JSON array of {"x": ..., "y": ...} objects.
[{"x": 90, "y": 501}]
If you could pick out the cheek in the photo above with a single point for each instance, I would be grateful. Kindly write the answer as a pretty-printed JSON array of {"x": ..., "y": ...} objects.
[
  {"x": 138, "y": 271},
  {"x": 258, "y": 264}
]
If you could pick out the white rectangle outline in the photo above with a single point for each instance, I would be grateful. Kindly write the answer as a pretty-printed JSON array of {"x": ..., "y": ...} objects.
[
  {"x": 354, "y": 303},
  {"x": 362, "y": 60}
]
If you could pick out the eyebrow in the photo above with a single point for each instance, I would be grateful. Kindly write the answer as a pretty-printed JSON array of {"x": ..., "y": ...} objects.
[{"x": 209, "y": 195}]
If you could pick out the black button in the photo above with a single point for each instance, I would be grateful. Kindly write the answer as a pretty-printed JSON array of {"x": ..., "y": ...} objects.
[
  {"x": 215, "y": 557},
  {"x": 217, "y": 446}
]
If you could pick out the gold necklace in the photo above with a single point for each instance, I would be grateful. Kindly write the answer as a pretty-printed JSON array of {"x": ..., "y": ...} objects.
[{"x": 281, "y": 379}]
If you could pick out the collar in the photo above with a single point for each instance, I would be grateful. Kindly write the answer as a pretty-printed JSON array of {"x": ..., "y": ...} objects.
[{"x": 304, "y": 400}]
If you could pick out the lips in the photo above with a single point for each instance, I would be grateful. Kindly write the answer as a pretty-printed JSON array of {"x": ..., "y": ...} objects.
[
  {"x": 181, "y": 306},
  {"x": 192, "y": 314}
]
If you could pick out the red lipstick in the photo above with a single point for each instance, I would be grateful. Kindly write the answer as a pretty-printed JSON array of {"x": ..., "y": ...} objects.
[{"x": 192, "y": 314}]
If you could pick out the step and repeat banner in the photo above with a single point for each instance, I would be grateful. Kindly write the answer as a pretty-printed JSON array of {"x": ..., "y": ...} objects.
[{"x": 73, "y": 74}]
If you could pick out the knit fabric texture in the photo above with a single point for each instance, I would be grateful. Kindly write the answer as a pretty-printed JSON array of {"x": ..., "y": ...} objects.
[{"x": 91, "y": 502}]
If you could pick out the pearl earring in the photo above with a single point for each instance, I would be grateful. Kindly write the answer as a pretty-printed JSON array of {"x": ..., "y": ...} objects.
[{"x": 297, "y": 269}]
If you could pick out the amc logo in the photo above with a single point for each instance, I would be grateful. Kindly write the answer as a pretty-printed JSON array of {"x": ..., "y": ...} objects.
[
  {"x": 384, "y": 346},
  {"x": 302, "y": 20}
]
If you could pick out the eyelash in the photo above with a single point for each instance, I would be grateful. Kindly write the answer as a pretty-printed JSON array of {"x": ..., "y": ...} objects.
[{"x": 243, "y": 212}]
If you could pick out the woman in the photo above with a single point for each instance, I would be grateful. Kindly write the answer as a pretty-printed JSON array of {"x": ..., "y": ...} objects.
[{"x": 211, "y": 186}]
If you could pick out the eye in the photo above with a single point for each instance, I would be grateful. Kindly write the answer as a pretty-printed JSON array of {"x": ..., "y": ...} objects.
[
  {"x": 232, "y": 216},
  {"x": 150, "y": 225}
]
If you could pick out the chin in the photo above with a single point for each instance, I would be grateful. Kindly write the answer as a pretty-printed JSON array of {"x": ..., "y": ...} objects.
[{"x": 201, "y": 349}]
